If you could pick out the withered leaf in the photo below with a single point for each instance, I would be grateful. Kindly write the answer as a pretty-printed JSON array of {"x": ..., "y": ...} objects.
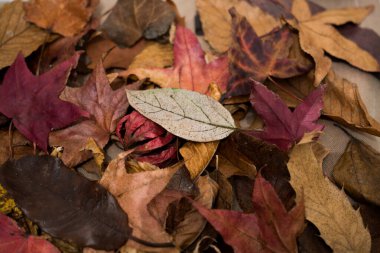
[
  {"x": 66, "y": 17},
  {"x": 190, "y": 70},
  {"x": 155, "y": 55},
  {"x": 216, "y": 21},
  {"x": 256, "y": 57},
  {"x": 197, "y": 155},
  {"x": 65, "y": 204},
  {"x": 317, "y": 36},
  {"x": 16, "y": 34},
  {"x": 187, "y": 114},
  {"x": 113, "y": 56},
  {"x": 283, "y": 127},
  {"x": 24, "y": 96},
  {"x": 105, "y": 106},
  {"x": 357, "y": 171},
  {"x": 21, "y": 146},
  {"x": 341, "y": 100},
  {"x": 326, "y": 206},
  {"x": 271, "y": 228},
  {"x": 13, "y": 239},
  {"x": 138, "y": 188},
  {"x": 132, "y": 19}
]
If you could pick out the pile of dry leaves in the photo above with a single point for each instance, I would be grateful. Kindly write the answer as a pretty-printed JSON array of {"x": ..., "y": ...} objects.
[{"x": 126, "y": 136}]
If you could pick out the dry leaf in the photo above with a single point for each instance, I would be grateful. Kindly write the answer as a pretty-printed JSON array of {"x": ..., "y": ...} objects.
[
  {"x": 341, "y": 101},
  {"x": 317, "y": 36},
  {"x": 187, "y": 114},
  {"x": 155, "y": 55},
  {"x": 254, "y": 57},
  {"x": 358, "y": 171},
  {"x": 21, "y": 146},
  {"x": 134, "y": 192},
  {"x": 16, "y": 34},
  {"x": 216, "y": 21},
  {"x": 66, "y": 17},
  {"x": 97, "y": 151},
  {"x": 326, "y": 206},
  {"x": 187, "y": 231},
  {"x": 197, "y": 155},
  {"x": 190, "y": 69},
  {"x": 132, "y": 19},
  {"x": 112, "y": 56}
]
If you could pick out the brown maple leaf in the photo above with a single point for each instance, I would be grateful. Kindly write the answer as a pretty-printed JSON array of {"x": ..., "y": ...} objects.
[
  {"x": 105, "y": 106},
  {"x": 66, "y": 17},
  {"x": 190, "y": 70}
]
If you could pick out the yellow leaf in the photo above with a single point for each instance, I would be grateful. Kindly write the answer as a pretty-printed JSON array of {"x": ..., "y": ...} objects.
[
  {"x": 326, "y": 206},
  {"x": 17, "y": 35},
  {"x": 154, "y": 55},
  {"x": 216, "y": 20},
  {"x": 317, "y": 35},
  {"x": 197, "y": 155},
  {"x": 8, "y": 205},
  {"x": 96, "y": 151}
]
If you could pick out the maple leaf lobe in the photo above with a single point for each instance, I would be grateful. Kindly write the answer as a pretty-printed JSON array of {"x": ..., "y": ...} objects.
[{"x": 33, "y": 101}]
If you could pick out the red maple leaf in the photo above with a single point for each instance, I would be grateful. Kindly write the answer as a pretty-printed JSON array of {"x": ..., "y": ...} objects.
[
  {"x": 270, "y": 229},
  {"x": 13, "y": 239},
  {"x": 33, "y": 101},
  {"x": 190, "y": 70},
  {"x": 282, "y": 126}
]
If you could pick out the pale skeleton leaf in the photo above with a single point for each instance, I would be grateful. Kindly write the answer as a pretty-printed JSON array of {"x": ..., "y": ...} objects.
[
  {"x": 326, "y": 206},
  {"x": 187, "y": 114}
]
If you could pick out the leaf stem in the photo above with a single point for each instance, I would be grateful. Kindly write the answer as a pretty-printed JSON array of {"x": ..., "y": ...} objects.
[
  {"x": 34, "y": 148},
  {"x": 10, "y": 135}
]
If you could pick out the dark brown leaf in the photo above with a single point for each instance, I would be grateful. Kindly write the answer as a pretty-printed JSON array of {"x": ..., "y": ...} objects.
[
  {"x": 358, "y": 171},
  {"x": 132, "y": 19},
  {"x": 65, "y": 204}
]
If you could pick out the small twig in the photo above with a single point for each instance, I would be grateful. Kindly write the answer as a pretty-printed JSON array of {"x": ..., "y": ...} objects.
[
  {"x": 283, "y": 89},
  {"x": 34, "y": 148},
  {"x": 10, "y": 135}
]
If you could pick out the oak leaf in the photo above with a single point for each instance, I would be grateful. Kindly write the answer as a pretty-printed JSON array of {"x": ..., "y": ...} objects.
[
  {"x": 317, "y": 36},
  {"x": 105, "y": 107},
  {"x": 139, "y": 189},
  {"x": 65, "y": 204},
  {"x": 358, "y": 171},
  {"x": 16, "y": 34},
  {"x": 216, "y": 21},
  {"x": 23, "y": 97},
  {"x": 282, "y": 126},
  {"x": 270, "y": 229},
  {"x": 251, "y": 56},
  {"x": 13, "y": 239},
  {"x": 190, "y": 70},
  {"x": 66, "y": 17},
  {"x": 187, "y": 114},
  {"x": 326, "y": 206},
  {"x": 132, "y": 19}
]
